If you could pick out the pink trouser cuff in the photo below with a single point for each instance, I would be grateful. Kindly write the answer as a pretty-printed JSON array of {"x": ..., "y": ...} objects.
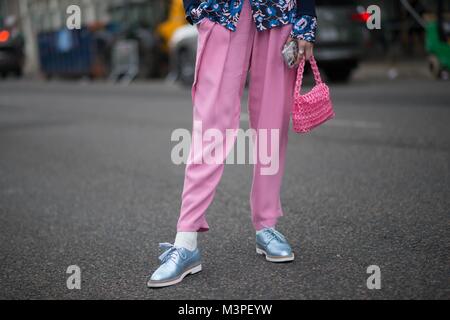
[
  {"x": 192, "y": 227},
  {"x": 270, "y": 223}
]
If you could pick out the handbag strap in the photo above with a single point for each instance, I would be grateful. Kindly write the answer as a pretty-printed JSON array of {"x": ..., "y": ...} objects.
[{"x": 301, "y": 70}]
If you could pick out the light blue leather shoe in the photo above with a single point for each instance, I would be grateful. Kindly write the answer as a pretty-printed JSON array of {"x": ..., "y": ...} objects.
[
  {"x": 176, "y": 263},
  {"x": 274, "y": 246}
]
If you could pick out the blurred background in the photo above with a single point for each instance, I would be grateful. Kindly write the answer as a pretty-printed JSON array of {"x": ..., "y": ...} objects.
[
  {"x": 86, "y": 178},
  {"x": 150, "y": 39}
]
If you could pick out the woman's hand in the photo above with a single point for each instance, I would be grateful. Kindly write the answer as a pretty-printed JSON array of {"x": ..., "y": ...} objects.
[{"x": 305, "y": 49}]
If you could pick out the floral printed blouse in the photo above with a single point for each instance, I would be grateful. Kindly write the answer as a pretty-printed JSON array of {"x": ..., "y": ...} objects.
[{"x": 266, "y": 14}]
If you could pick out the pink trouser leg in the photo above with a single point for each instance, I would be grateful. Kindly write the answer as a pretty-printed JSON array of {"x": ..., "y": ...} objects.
[
  {"x": 223, "y": 60},
  {"x": 270, "y": 102}
]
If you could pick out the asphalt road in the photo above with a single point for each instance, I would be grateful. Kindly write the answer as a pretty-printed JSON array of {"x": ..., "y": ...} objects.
[{"x": 86, "y": 179}]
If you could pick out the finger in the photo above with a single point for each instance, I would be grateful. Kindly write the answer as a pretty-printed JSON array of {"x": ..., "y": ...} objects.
[
  {"x": 301, "y": 51},
  {"x": 301, "y": 48},
  {"x": 309, "y": 51}
]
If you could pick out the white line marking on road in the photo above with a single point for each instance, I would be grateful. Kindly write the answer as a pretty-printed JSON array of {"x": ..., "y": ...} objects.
[
  {"x": 244, "y": 117},
  {"x": 353, "y": 124},
  {"x": 339, "y": 123}
]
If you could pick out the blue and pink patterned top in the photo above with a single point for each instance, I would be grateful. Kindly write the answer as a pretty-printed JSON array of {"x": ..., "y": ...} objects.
[{"x": 266, "y": 14}]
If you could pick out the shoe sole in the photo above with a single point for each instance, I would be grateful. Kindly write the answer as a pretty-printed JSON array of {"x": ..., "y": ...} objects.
[
  {"x": 275, "y": 259},
  {"x": 158, "y": 284}
]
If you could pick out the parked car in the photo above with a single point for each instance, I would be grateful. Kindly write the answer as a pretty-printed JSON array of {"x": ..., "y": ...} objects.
[
  {"x": 11, "y": 54},
  {"x": 339, "y": 45},
  {"x": 340, "y": 38},
  {"x": 182, "y": 54}
]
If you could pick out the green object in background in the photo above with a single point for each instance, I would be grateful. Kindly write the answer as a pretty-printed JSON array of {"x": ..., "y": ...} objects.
[{"x": 439, "y": 50}]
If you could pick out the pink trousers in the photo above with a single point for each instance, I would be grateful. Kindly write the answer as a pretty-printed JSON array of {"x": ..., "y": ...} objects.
[{"x": 223, "y": 61}]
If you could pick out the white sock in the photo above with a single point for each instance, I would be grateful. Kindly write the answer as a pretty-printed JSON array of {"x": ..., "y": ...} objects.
[{"x": 186, "y": 240}]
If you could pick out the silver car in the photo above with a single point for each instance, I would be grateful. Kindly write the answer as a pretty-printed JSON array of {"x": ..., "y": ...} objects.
[{"x": 339, "y": 44}]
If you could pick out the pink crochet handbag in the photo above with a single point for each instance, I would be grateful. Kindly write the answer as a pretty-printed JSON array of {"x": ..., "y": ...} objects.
[{"x": 313, "y": 108}]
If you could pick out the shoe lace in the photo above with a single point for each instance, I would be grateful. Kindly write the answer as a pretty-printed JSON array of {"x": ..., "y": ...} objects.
[
  {"x": 171, "y": 252},
  {"x": 273, "y": 234}
]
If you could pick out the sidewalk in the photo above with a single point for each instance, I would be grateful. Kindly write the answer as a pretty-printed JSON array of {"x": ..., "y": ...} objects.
[
  {"x": 382, "y": 70},
  {"x": 367, "y": 71}
]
